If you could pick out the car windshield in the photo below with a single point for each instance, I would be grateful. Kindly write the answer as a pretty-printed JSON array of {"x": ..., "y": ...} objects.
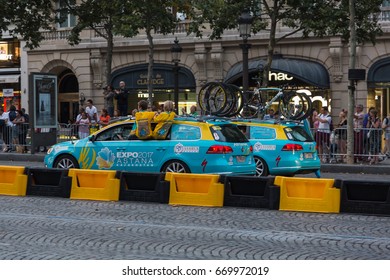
[
  {"x": 298, "y": 133},
  {"x": 228, "y": 133}
]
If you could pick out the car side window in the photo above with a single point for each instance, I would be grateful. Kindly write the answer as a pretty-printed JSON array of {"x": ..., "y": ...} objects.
[
  {"x": 258, "y": 132},
  {"x": 185, "y": 132}
]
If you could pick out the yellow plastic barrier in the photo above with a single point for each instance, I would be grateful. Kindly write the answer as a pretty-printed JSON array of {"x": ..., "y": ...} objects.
[
  {"x": 195, "y": 189},
  {"x": 13, "y": 181},
  {"x": 308, "y": 195},
  {"x": 94, "y": 184}
]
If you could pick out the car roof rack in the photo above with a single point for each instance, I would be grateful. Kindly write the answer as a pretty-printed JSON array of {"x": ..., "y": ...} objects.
[{"x": 204, "y": 119}]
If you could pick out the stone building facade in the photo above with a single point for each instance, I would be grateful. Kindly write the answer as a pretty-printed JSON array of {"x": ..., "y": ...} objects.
[{"x": 318, "y": 64}]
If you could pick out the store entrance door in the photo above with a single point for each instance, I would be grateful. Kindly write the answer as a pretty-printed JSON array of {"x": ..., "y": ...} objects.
[{"x": 68, "y": 107}]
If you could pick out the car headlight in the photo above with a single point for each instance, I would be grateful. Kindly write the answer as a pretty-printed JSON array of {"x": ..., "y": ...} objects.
[{"x": 49, "y": 150}]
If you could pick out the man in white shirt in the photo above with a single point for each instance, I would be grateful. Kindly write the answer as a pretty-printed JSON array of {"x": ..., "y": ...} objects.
[
  {"x": 323, "y": 133},
  {"x": 5, "y": 129},
  {"x": 91, "y": 112}
]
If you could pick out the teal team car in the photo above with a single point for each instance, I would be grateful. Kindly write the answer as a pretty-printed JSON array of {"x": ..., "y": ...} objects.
[
  {"x": 192, "y": 146},
  {"x": 285, "y": 148}
]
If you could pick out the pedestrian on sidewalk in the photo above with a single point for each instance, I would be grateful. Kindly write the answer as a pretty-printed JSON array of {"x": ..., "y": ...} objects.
[{"x": 386, "y": 130}]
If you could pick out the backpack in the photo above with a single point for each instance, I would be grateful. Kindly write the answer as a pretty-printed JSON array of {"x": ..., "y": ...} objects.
[
  {"x": 143, "y": 127},
  {"x": 162, "y": 132}
]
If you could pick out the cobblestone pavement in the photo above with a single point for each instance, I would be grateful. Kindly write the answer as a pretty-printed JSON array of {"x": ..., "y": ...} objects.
[{"x": 57, "y": 228}]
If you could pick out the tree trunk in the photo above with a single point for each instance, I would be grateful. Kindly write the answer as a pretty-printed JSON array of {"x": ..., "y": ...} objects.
[
  {"x": 351, "y": 87},
  {"x": 271, "y": 48},
  {"x": 150, "y": 67},
  {"x": 110, "y": 49}
]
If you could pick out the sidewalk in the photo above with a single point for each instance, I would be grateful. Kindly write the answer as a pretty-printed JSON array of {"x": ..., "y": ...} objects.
[{"x": 382, "y": 168}]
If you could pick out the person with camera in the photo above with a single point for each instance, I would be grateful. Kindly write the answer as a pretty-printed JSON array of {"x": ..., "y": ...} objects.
[
  {"x": 374, "y": 135},
  {"x": 109, "y": 95}
]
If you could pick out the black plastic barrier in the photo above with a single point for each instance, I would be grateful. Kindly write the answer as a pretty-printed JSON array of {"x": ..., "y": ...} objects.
[
  {"x": 248, "y": 191},
  {"x": 48, "y": 182},
  {"x": 371, "y": 197},
  {"x": 146, "y": 187}
]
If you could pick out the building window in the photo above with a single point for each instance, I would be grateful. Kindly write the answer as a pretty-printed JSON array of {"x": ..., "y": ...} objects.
[
  {"x": 67, "y": 20},
  {"x": 9, "y": 53}
]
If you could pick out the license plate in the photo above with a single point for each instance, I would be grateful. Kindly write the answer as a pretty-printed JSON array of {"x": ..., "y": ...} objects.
[
  {"x": 241, "y": 158},
  {"x": 308, "y": 155}
]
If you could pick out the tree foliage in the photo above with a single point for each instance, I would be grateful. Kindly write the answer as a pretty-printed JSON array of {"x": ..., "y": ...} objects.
[
  {"x": 221, "y": 15},
  {"x": 27, "y": 18},
  {"x": 331, "y": 17},
  {"x": 311, "y": 17},
  {"x": 125, "y": 18}
]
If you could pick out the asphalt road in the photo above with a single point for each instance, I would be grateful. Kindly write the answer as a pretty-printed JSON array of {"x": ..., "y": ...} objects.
[{"x": 61, "y": 229}]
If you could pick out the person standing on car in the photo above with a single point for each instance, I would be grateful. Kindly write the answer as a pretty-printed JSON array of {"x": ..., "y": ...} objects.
[
  {"x": 122, "y": 96},
  {"x": 323, "y": 133}
]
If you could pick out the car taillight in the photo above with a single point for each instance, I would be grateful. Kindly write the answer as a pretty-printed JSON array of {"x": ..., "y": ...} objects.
[
  {"x": 292, "y": 147},
  {"x": 219, "y": 149},
  {"x": 251, "y": 148}
]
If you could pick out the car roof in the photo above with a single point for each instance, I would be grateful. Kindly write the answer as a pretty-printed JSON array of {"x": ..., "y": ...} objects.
[
  {"x": 270, "y": 123},
  {"x": 208, "y": 120}
]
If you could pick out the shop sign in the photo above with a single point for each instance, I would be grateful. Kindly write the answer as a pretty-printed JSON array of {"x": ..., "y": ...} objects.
[
  {"x": 8, "y": 92},
  {"x": 143, "y": 80},
  {"x": 4, "y": 56},
  {"x": 279, "y": 77}
]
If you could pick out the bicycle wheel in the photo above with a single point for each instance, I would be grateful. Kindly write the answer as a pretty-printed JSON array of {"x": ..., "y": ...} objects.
[
  {"x": 212, "y": 98},
  {"x": 233, "y": 102},
  {"x": 295, "y": 105}
]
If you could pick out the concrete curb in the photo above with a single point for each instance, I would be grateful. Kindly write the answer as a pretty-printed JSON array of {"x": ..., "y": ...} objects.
[
  {"x": 381, "y": 168},
  {"x": 356, "y": 168},
  {"x": 22, "y": 157}
]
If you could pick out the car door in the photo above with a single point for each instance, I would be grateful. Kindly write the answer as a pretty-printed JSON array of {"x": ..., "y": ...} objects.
[{"x": 107, "y": 148}]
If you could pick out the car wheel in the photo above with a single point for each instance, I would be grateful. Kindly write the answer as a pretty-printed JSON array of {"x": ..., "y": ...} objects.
[
  {"x": 261, "y": 167},
  {"x": 66, "y": 162},
  {"x": 176, "y": 166}
]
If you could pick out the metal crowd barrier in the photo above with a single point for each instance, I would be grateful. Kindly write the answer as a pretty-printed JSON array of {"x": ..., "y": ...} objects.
[
  {"x": 18, "y": 139},
  {"x": 368, "y": 143}
]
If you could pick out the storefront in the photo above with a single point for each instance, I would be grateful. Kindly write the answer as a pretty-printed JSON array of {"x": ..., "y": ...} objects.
[
  {"x": 10, "y": 92},
  {"x": 288, "y": 73},
  {"x": 378, "y": 84},
  {"x": 163, "y": 80}
]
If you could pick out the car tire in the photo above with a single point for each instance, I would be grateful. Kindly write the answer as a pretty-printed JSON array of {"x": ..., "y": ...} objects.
[
  {"x": 261, "y": 167},
  {"x": 66, "y": 162},
  {"x": 175, "y": 166}
]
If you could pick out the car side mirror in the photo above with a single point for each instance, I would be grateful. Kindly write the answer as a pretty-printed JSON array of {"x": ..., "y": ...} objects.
[{"x": 92, "y": 138}]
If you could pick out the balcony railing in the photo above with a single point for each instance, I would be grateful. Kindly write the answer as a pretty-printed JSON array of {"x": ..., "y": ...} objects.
[{"x": 62, "y": 34}]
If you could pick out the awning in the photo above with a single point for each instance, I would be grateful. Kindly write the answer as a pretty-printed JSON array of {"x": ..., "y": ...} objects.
[
  {"x": 9, "y": 79},
  {"x": 378, "y": 74},
  {"x": 307, "y": 71}
]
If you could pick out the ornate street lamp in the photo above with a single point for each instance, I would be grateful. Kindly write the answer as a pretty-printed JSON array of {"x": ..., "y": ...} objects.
[
  {"x": 176, "y": 53},
  {"x": 244, "y": 27}
]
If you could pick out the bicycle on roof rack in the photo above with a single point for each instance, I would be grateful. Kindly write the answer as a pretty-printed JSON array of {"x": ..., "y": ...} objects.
[{"x": 227, "y": 100}]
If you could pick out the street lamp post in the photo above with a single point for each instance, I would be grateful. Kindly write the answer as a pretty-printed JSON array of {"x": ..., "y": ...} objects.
[
  {"x": 176, "y": 53},
  {"x": 245, "y": 24}
]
